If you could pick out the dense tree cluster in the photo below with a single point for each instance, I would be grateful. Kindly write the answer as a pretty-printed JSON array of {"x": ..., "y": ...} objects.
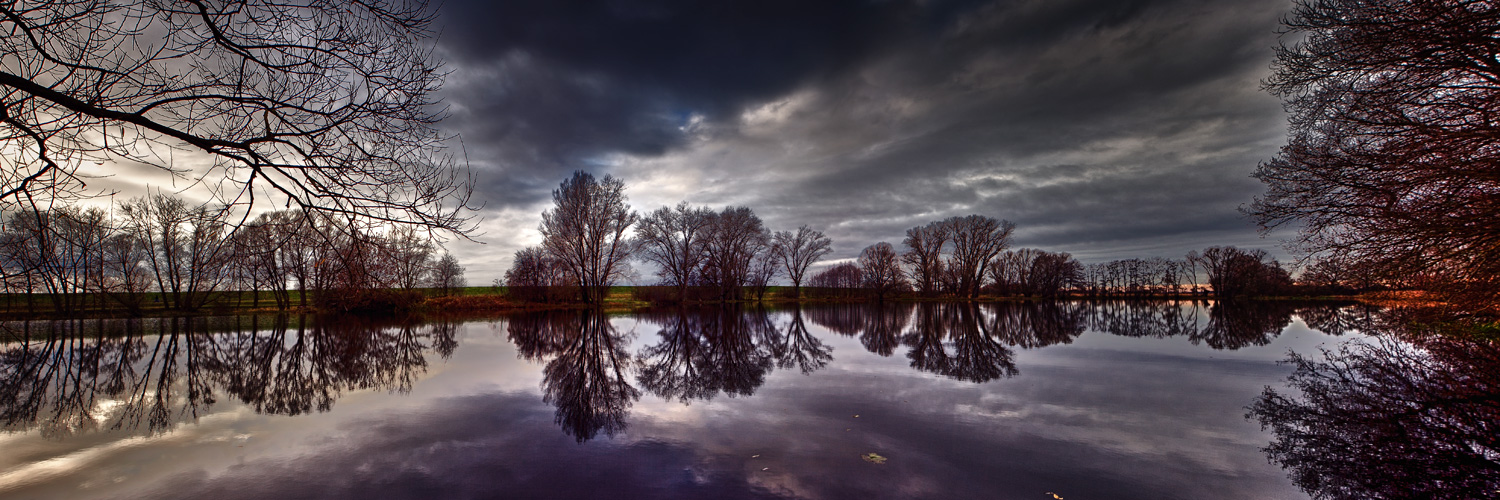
[
  {"x": 952, "y": 255},
  {"x": 1029, "y": 271},
  {"x": 161, "y": 248},
  {"x": 724, "y": 255},
  {"x": 1391, "y": 157}
]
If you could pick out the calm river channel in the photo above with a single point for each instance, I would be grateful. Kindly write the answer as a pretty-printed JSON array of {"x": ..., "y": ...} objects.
[{"x": 1070, "y": 400}]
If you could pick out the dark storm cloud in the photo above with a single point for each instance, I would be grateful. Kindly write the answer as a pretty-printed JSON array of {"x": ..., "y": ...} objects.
[
  {"x": 1090, "y": 123},
  {"x": 546, "y": 87}
]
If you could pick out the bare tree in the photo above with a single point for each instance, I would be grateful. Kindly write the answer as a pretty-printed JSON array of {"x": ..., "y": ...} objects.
[
  {"x": 799, "y": 251},
  {"x": 127, "y": 277},
  {"x": 1393, "y": 139},
  {"x": 763, "y": 269},
  {"x": 1192, "y": 262},
  {"x": 187, "y": 247},
  {"x": 672, "y": 239},
  {"x": 409, "y": 255},
  {"x": 1011, "y": 270},
  {"x": 881, "y": 270},
  {"x": 1053, "y": 272},
  {"x": 534, "y": 275},
  {"x": 1234, "y": 272},
  {"x": 586, "y": 231},
  {"x": 842, "y": 279},
  {"x": 976, "y": 240},
  {"x": 447, "y": 275},
  {"x": 924, "y": 254},
  {"x": 58, "y": 249},
  {"x": 735, "y": 237},
  {"x": 329, "y": 105}
]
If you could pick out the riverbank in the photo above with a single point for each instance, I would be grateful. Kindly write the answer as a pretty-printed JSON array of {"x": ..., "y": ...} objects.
[{"x": 499, "y": 300}]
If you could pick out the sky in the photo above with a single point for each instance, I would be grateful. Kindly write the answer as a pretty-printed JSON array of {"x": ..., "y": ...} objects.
[{"x": 1104, "y": 128}]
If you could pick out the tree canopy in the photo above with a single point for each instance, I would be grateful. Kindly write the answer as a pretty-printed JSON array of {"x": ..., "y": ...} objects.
[
  {"x": 1394, "y": 137},
  {"x": 328, "y": 106}
]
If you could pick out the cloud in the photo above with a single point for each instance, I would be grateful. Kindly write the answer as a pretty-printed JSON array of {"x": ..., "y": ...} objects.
[{"x": 1092, "y": 124}]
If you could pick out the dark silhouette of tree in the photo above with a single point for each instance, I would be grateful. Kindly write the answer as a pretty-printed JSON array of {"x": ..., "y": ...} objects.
[
  {"x": 1011, "y": 271},
  {"x": 186, "y": 248},
  {"x": 881, "y": 271},
  {"x": 735, "y": 238},
  {"x": 127, "y": 279},
  {"x": 1054, "y": 273},
  {"x": 763, "y": 269},
  {"x": 59, "y": 251},
  {"x": 1233, "y": 272},
  {"x": 841, "y": 280},
  {"x": 329, "y": 106},
  {"x": 924, "y": 254},
  {"x": 536, "y": 276},
  {"x": 1336, "y": 274},
  {"x": 586, "y": 231},
  {"x": 971, "y": 243},
  {"x": 799, "y": 251},
  {"x": 1384, "y": 418},
  {"x": 1392, "y": 148},
  {"x": 672, "y": 239},
  {"x": 976, "y": 240}
]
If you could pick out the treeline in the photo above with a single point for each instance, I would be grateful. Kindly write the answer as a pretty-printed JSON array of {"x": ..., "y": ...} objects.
[
  {"x": 160, "y": 251},
  {"x": 964, "y": 257},
  {"x": 591, "y": 236}
]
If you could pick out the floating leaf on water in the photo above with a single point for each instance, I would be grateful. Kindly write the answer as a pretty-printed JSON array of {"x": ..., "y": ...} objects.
[
  {"x": 1054, "y": 496},
  {"x": 873, "y": 458}
]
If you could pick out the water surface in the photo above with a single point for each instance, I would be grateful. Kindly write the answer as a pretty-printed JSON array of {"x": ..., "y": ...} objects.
[{"x": 1111, "y": 400}]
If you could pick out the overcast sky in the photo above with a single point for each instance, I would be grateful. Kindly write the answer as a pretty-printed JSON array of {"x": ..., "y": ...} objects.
[{"x": 1105, "y": 128}]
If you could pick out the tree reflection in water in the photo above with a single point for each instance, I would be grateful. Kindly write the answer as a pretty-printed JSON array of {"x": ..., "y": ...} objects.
[
  {"x": 68, "y": 377},
  {"x": 702, "y": 353},
  {"x": 1401, "y": 415},
  {"x": 585, "y": 378},
  {"x": 964, "y": 341},
  {"x": 699, "y": 354}
]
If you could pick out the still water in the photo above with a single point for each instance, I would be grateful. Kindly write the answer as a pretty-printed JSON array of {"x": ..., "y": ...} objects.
[{"x": 1076, "y": 400}]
